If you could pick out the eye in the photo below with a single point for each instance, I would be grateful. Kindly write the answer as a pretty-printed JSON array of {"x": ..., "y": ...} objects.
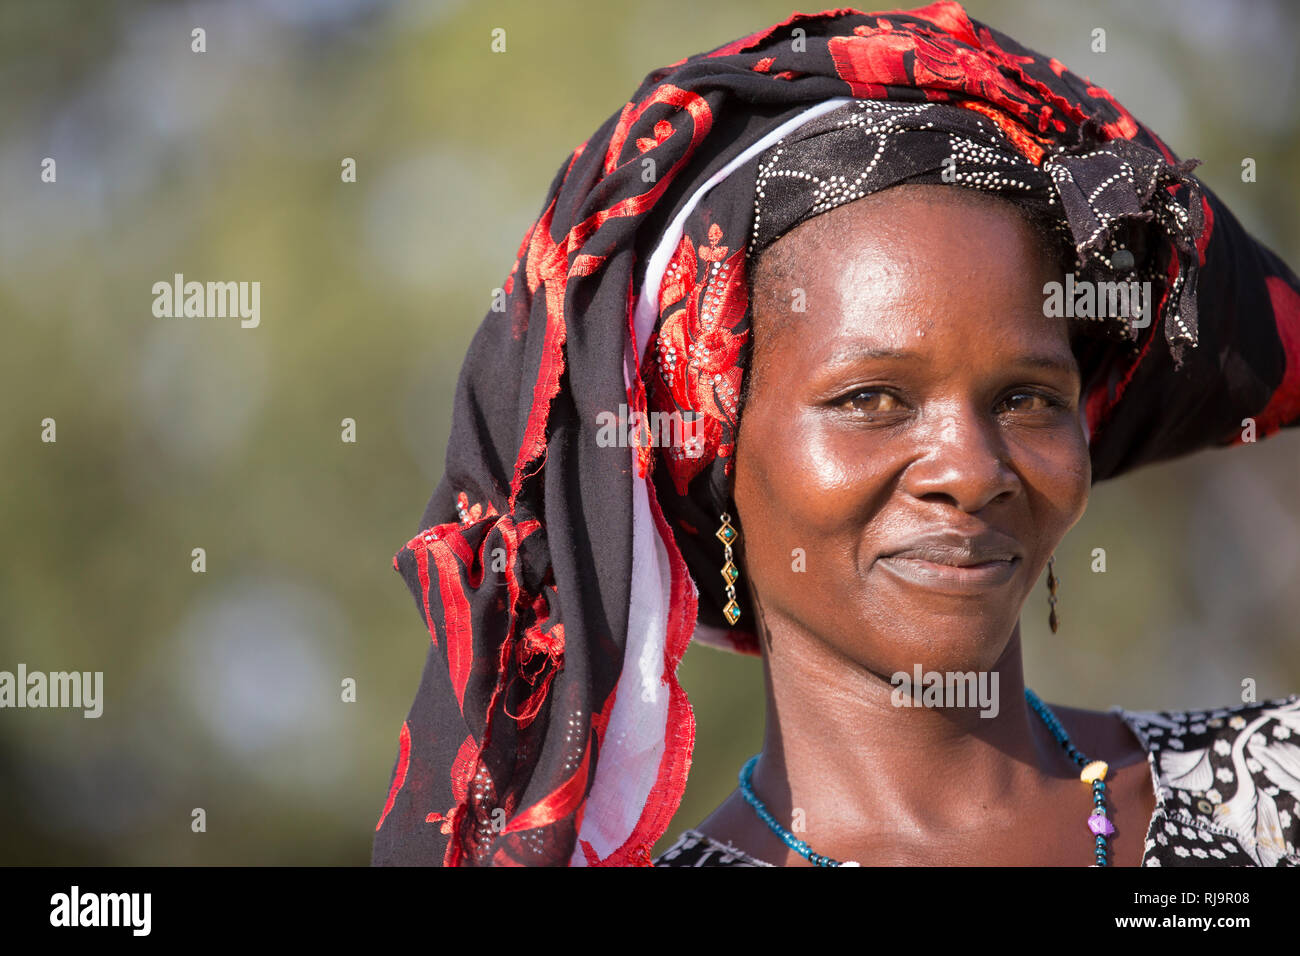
[
  {"x": 1025, "y": 402},
  {"x": 870, "y": 400}
]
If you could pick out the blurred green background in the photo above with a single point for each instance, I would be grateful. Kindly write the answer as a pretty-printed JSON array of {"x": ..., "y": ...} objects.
[{"x": 223, "y": 688}]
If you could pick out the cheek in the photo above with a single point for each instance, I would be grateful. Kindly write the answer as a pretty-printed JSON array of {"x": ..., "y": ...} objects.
[
  {"x": 802, "y": 485},
  {"x": 1056, "y": 471}
]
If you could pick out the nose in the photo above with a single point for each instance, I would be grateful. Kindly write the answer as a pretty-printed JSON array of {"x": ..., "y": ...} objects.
[{"x": 964, "y": 464}]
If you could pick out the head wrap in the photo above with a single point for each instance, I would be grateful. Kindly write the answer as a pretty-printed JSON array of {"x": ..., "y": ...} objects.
[{"x": 560, "y": 579}]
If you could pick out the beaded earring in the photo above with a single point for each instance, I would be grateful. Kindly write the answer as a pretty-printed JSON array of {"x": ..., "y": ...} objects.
[
  {"x": 1052, "y": 581},
  {"x": 727, "y": 534}
]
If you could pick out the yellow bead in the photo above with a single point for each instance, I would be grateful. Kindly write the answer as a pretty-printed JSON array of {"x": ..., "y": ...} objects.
[{"x": 1094, "y": 771}]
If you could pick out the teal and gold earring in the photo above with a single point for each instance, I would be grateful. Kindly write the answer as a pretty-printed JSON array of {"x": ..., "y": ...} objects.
[
  {"x": 727, "y": 534},
  {"x": 1052, "y": 581}
]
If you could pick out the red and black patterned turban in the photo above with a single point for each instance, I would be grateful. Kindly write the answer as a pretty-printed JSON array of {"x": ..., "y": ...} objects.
[{"x": 560, "y": 575}]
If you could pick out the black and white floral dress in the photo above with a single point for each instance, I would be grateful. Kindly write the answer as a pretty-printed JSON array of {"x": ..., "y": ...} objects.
[{"x": 1227, "y": 786}]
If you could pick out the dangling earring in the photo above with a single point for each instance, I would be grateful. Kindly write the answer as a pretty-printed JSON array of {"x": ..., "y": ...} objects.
[
  {"x": 727, "y": 534},
  {"x": 1052, "y": 581}
]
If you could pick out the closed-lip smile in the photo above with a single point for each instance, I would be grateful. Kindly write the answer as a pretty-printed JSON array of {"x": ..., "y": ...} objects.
[{"x": 952, "y": 560}]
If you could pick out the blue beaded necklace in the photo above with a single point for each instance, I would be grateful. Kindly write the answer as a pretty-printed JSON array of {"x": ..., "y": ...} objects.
[{"x": 1094, "y": 772}]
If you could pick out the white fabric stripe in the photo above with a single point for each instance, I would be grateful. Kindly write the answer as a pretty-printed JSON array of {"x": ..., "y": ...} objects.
[
  {"x": 647, "y": 304},
  {"x": 635, "y": 738}
]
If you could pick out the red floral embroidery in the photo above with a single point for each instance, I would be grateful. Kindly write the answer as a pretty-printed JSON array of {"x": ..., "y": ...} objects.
[
  {"x": 533, "y": 652},
  {"x": 697, "y": 351},
  {"x": 869, "y": 62},
  {"x": 470, "y": 513},
  {"x": 475, "y": 793},
  {"x": 1028, "y": 145},
  {"x": 957, "y": 58},
  {"x": 539, "y": 656},
  {"x": 714, "y": 252},
  {"x": 399, "y": 775},
  {"x": 1126, "y": 126},
  {"x": 461, "y": 769},
  {"x": 663, "y": 129},
  {"x": 565, "y": 799}
]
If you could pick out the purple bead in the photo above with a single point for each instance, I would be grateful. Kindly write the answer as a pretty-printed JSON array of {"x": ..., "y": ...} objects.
[{"x": 1100, "y": 825}]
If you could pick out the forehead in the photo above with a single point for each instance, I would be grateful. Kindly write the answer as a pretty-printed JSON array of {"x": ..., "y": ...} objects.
[
  {"x": 904, "y": 261},
  {"x": 911, "y": 219}
]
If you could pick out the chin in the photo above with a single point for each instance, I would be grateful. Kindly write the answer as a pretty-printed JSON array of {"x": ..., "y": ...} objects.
[{"x": 939, "y": 638}]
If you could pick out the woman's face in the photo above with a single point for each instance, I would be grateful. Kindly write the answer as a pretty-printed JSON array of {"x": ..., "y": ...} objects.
[{"x": 921, "y": 393}]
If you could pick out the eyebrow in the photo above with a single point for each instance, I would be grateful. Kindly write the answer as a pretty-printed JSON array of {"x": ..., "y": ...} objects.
[{"x": 1032, "y": 360}]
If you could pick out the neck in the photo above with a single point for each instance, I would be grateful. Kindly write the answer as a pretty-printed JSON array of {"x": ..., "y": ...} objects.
[{"x": 836, "y": 742}]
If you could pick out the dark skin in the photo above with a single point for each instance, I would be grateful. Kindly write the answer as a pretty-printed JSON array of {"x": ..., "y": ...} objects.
[{"x": 847, "y": 455}]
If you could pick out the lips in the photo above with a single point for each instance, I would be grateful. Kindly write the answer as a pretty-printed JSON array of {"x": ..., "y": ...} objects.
[
  {"x": 955, "y": 561},
  {"x": 956, "y": 549}
]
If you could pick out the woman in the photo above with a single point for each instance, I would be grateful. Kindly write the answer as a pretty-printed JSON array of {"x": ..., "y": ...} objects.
[{"x": 922, "y": 421}]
